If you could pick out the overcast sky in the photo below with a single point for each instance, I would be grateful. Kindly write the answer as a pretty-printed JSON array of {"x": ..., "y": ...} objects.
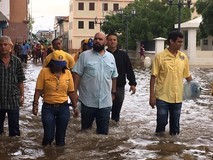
[{"x": 44, "y": 11}]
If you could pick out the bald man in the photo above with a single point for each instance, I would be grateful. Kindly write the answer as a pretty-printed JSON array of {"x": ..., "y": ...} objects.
[{"x": 95, "y": 78}]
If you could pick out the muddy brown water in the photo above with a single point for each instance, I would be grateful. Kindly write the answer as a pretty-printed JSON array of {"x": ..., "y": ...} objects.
[{"x": 133, "y": 139}]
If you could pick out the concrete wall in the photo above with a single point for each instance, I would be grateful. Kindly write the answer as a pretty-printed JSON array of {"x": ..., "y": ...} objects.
[
  {"x": 201, "y": 58},
  {"x": 207, "y": 44}
]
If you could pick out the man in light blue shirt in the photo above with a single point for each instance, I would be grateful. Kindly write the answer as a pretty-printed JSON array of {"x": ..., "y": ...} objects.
[
  {"x": 25, "y": 48},
  {"x": 95, "y": 78}
]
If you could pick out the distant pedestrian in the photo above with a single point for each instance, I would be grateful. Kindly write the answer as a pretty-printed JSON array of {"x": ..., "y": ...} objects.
[
  {"x": 25, "y": 49},
  {"x": 55, "y": 83},
  {"x": 86, "y": 44},
  {"x": 11, "y": 87},
  {"x": 166, "y": 84},
  {"x": 125, "y": 71},
  {"x": 49, "y": 49},
  {"x": 95, "y": 78},
  {"x": 17, "y": 49},
  {"x": 142, "y": 51},
  {"x": 37, "y": 53}
]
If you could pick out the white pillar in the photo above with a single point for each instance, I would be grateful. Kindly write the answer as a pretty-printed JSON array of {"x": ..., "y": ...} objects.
[
  {"x": 159, "y": 44},
  {"x": 192, "y": 43}
]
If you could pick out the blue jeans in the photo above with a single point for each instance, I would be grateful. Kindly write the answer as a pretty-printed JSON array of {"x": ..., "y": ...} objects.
[
  {"x": 102, "y": 116},
  {"x": 13, "y": 121},
  {"x": 55, "y": 121},
  {"x": 165, "y": 109},
  {"x": 117, "y": 103}
]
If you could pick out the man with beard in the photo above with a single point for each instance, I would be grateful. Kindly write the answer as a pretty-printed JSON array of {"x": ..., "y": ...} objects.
[{"x": 95, "y": 78}]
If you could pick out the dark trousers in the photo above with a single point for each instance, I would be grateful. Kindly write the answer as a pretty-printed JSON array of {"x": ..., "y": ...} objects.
[
  {"x": 55, "y": 121},
  {"x": 23, "y": 58},
  {"x": 117, "y": 103},
  {"x": 102, "y": 116},
  {"x": 13, "y": 121},
  {"x": 165, "y": 110}
]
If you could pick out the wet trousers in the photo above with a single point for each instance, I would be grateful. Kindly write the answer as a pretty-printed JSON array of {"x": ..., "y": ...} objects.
[
  {"x": 165, "y": 110},
  {"x": 101, "y": 115},
  {"x": 117, "y": 103},
  {"x": 55, "y": 121},
  {"x": 13, "y": 121}
]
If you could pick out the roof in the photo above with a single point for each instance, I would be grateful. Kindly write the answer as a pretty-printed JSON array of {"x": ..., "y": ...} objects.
[
  {"x": 60, "y": 19},
  {"x": 194, "y": 23},
  {"x": 3, "y": 17}
]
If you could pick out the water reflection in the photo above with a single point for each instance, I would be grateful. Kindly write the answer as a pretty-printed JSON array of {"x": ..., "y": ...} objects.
[{"x": 133, "y": 139}]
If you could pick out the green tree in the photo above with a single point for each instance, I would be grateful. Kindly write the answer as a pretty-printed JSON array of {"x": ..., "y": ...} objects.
[
  {"x": 30, "y": 27},
  {"x": 153, "y": 19},
  {"x": 205, "y": 8}
]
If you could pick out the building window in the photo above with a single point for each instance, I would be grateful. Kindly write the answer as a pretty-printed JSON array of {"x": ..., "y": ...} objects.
[
  {"x": 91, "y": 6},
  {"x": 81, "y": 6},
  {"x": 205, "y": 42},
  {"x": 80, "y": 24},
  {"x": 115, "y": 7},
  {"x": 105, "y": 6},
  {"x": 91, "y": 25}
]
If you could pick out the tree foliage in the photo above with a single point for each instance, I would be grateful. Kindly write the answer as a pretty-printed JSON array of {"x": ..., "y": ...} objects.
[
  {"x": 154, "y": 18},
  {"x": 205, "y": 8}
]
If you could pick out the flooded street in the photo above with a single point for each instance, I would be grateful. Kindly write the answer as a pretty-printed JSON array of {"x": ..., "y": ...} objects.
[{"x": 133, "y": 139}]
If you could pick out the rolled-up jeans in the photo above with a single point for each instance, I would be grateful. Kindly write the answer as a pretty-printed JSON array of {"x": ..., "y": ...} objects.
[
  {"x": 165, "y": 110},
  {"x": 55, "y": 121}
]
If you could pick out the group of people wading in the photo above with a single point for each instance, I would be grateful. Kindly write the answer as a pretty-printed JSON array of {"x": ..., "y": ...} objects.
[{"x": 96, "y": 78}]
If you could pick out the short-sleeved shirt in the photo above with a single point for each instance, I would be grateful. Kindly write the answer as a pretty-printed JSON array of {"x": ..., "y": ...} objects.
[
  {"x": 169, "y": 71},
  {"x": 69, "y": 59},
  {"x": 96, "y": 72},
  {"x": 25, "y": 49},
  {"x": 10, "y": 77},
  {"x": 54, "y": 89}
]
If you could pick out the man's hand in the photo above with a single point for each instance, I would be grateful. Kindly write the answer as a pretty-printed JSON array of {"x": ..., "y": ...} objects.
[
  {"x": 132, "y": 89},
  {"x": 35, "y": 108},
  {"x": 152, "y": 101},
  {"x": 21, "y": 100},
  {"x": 75, "y": 112}
]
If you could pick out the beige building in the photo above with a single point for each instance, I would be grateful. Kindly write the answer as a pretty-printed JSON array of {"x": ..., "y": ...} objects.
[
  {"x": 61, "y": 30},
  {"x": 86, "y": 17}
]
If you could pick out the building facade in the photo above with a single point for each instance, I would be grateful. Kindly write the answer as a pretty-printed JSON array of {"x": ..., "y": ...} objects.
[
  {"x": 17, "y": 14},
  {"x": 86, "y": 17},
  {"x": 61, "y": 29}
]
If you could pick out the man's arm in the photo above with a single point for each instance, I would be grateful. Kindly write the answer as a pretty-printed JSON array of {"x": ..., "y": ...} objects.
[
  {"x": 152, "y": 99},
  {"x": 113, "y": 85},
  {"x": 113, "y": 91},
  {"x": 76, "y": 79},
  {"x": 21, "y": 88}
]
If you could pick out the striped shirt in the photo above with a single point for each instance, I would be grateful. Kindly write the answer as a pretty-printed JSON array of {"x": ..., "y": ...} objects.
[{"x": 10, "y": 77}]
